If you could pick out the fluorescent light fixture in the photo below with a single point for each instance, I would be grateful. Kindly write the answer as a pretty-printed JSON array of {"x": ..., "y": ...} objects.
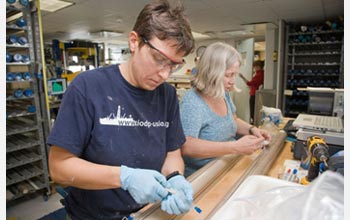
[
  {"x": 237, "y": 32},
  {"x": 197, "y": 35},
  {"x": 106, "y": 34},
  {"x": 54, "y": 5}
]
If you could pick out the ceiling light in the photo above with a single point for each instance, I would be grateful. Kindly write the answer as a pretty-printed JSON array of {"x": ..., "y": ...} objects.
[
  {"x": 237, "y": 32},
  {"x": 197, "y": 35},
  {"x": 106, "y": 34},
  {"x": 54, "y": 5}
]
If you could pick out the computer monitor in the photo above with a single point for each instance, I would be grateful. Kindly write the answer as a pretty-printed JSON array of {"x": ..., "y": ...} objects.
[{"x": 57, "y": 86}]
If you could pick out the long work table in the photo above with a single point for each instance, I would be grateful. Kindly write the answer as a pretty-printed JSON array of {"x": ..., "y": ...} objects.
[{"x": 218, "y": 180}]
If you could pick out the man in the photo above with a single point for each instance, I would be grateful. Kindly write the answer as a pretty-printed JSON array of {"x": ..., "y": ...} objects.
[{"x": 118, "y": 132}]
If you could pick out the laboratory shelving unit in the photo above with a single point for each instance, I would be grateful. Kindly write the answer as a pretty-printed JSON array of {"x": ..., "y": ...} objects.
[
  {"x": 314, "y": 58},
  {"x": 26, "y": 157}
]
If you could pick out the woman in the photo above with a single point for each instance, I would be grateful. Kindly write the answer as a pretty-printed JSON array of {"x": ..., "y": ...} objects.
[
  {"x": 208, "y": 114},
  {"x": 254, "y": 84}
]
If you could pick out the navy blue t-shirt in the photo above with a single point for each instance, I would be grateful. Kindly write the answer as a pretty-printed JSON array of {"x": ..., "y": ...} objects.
[{"x": 105, "y": 120}]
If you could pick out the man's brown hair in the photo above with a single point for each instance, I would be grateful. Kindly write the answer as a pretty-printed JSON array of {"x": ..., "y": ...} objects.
[{"x": 161, "y": 20}]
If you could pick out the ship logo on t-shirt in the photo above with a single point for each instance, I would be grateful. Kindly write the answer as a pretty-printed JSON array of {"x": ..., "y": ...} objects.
[
  {"x": 112, "y": 119},
  {"x": 122, "y": 120}
]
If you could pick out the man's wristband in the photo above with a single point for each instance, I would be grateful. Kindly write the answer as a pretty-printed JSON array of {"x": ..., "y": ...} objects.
[
  {"x": 175, "y": 173},
  {"x": 251, "y": 130}
]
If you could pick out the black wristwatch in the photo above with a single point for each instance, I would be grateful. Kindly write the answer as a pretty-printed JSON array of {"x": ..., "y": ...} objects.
[{"x": 175, "y": 173}]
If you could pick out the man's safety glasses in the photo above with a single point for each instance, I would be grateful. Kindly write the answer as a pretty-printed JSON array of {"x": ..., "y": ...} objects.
[{"x": 165, "y": 62}]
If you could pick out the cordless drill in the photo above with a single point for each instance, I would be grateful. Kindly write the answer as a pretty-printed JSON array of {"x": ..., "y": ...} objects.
[{"x": 318, "y": 151}]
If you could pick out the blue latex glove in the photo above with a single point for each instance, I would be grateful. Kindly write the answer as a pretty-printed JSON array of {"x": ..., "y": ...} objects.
[
  {"x": 145, "y": 186},
  {"x": 180, "y": 198}
]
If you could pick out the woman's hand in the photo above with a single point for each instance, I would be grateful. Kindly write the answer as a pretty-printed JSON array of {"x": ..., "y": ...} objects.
[
  {"x": 248, "y": 144},
  {"x": 261, "y": 133}
]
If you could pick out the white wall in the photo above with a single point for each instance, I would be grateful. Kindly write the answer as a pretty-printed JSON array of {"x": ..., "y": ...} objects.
[
  {"x": 271, "y": 38},
  {"x": 190, "y": 58},
  {"x": 241, "y": 100}
]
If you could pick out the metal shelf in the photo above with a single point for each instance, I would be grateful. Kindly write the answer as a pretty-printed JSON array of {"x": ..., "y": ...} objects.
[
  {"x": 26, "y": 46},
  {"x": 12, "y": 147},
  {"x": 310, "y": 63},
  {"x": 17, "y": 129},
  {"x": 18, "y": 64},
  {"x": 328, "y": 53},
  {"x": 315, "y": 32},
  {"x": 19, "y": 113},
  {"x": 9, "y": 98},
  {"x": 17, "y": 175},
  {"x": 313, "y": 75},
  {"x": 21, "y": 157},
  {"x": 31, "y": 186},
  {"x": 26, "y": 159},
  {"x": 14, "y": 27},
  {"x": 314, "y": 64},
  {"x": 20, "y": 81},
  {"x": 316, "y": 44}
]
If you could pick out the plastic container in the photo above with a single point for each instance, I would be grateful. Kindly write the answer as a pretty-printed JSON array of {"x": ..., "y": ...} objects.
[
  {"x": 274, "y": 114},
  {"x": 270, "y": 127}
]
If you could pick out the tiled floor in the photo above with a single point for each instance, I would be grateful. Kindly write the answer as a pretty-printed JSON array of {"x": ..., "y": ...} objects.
[{"x": 34, "y": 209}]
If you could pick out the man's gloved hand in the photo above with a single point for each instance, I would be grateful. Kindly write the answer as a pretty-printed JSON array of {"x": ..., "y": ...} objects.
[
  {"x": 145, "y": 186},
  {"x": 180, "y": 199}
]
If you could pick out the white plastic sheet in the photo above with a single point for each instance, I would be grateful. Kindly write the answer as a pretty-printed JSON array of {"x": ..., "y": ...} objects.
[{"x": 322, "y": 199}]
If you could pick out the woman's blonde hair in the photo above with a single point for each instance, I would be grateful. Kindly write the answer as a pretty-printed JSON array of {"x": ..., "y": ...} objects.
[{"x": 212, "y": 65}]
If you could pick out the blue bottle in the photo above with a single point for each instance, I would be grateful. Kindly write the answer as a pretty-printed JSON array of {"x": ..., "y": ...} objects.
[
  {"x": 18, "y": 76},
  {"x": 31, "y": 109},
  {"x": 17, "y": 57},
  {"x": 8, "y": 57},
  {"x": 22, "y": 40},
  {"x": 28, "y": 92},
  {"x": 26, "y": 76},
  {"x": 10, "y": 1},
  {"x": 25, "y": 58},
  {"x": 18, "y": 93},
  {"x": 25, "y": 3},
  {"x": 9, "y": 77},
  {"x": 12, "y": 39},
  {"x": 21, "y": 22}
]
